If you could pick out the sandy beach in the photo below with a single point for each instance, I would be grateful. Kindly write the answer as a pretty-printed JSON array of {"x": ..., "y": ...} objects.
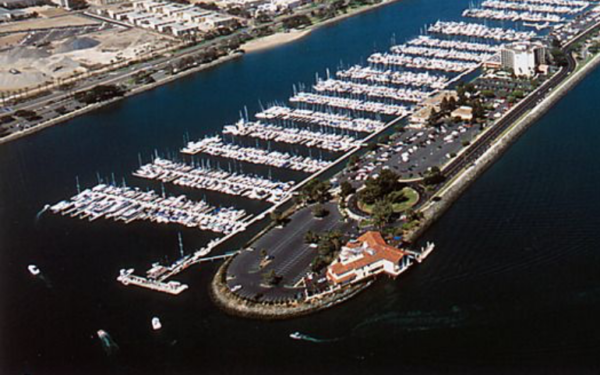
[
  {"x": 286, "y": 37},
  {"x": 274, "y": 40}
]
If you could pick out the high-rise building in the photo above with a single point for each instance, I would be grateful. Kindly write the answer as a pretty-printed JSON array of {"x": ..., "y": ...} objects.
[{"x": 523, "y": 57}]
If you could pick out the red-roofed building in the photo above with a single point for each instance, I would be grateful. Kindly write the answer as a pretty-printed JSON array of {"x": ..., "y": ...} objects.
[{"x": 366, "y": 257}]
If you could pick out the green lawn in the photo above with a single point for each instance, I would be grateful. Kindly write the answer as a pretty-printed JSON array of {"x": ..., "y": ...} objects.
[{"x": 411, "y": 194}]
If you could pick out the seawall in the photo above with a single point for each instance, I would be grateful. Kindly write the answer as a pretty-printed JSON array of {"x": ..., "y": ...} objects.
[{"x": 451, "y": 192}]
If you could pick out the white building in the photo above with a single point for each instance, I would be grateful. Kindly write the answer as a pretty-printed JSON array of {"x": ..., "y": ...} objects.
[
  {"x": 367, "y": 257},
  {"x": 523, "y": 57}
]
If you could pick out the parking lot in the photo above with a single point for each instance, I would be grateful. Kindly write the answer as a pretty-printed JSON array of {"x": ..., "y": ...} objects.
[{"x": 290, "y": 257}]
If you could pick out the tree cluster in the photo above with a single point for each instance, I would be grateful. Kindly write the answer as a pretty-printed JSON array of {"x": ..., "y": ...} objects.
[
  {"x": 315, "y": 191},
  {"x": 297, "y": 21},
  {"x": 328, "y": 247},
  {"x": 99, "y": 93},
  {"x": 319, "y": 211},
  {"x": 271, "y": 278},
  {"x": 446, "y": 107},
  {"x": 558, "y": 56},
  {"x": 433, "y": 176},
  {"x": 377, "y": 188}
]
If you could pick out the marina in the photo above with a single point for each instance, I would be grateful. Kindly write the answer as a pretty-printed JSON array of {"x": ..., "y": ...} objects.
[
  {"x": 545, "y": 7},
  {"x": 369, "y": 74},
  {"x": 385, "y": 59},
  {"x": 514, "y": 16},
  {"x": 334, "y": 120},
  {"x": 475, "y": 30},
  {"x": 251, "y": 187},
  {"x": 331, "y": 142},
  {"x": 370, "y": 91},
  {"x": 131, "y": 204},
  {"x": 440, "y": 53},
  {"x": 82, "y": 259},
  {"x": 324, "y": 101},
  {"x": 216, "y": 147},
  {"x": 428, "y": 41}
]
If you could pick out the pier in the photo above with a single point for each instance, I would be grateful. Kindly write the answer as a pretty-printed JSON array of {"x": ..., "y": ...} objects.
[
  {"x": 331, "y": 142},
  {"x": 476, "y": 30},
  {"x": 350, "y": 104},
  {"x": 216, "y": 147},
  {"x": 424, "y": 80},
  {"x": 251, "y": 187},
  {"x": 131, "y": 204},
  {"x": 289, "y": 115}
]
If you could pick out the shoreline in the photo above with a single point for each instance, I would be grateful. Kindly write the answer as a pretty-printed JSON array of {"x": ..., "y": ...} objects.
[
  {"x": 260, "y": 44},
  {"x": 281, "y": 38},
  {"x": 432, "y": 210},
  {"x": 89, "y": 108},
  {"x": 451, "y": 192},
  {"x": 234, "y": 305}
]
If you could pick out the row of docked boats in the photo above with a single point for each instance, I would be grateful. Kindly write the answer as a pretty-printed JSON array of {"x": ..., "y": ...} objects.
[
  {"x": 287, "y": 115},
  {"x": 406, "y": 61},
  {"x": 511, "y": 15},
  {"x": 181, "y": 174},
  {"x": 440, "y": 53},
  {"x": 479, "y": 31},
  {"x": 370, "y": 90},
  {"x": 458, "y": 45},
  {"x": 424, "y": 80},
  {"x": 535, "y": 7},
  {"x": 268, "y": 132},
  {"x": 565, "y": 3},
  {"x": 215, "y": 146},
  {"x": 359, "y": 105},
  {"x": 131, "y": 204}
]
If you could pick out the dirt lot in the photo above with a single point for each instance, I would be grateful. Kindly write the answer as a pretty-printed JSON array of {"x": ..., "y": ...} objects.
[
  {"x": 31, "y": 65},
  {"x": 44, "y": 23},
  {"x": 11, "y": 40}
]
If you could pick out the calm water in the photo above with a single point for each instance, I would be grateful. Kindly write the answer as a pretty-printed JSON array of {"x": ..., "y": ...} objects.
[{"x": 513, "y": 285}]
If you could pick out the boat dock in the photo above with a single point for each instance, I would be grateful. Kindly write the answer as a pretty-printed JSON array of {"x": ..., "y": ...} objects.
[
  {"x": 326, "y": 141},
  {"x": 370, "y": 91},
  {"x": 252, "y": 187},
  {"x": 216, "y": 147},
  {"x": 287, "y": 115},
  {"x": 425, "y": 80},
  {"x": 131, "y": 204},
  {"x": 157, "y": 275},
  {"x": 475, "y": 30},
  {"x": 349, "y": 104}
]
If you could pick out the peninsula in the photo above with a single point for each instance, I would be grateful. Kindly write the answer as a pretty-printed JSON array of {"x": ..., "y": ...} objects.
[{"x": 372, "y": 155}]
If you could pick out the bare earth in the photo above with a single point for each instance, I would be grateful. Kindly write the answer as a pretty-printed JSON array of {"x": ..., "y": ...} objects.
[
  {"x": 11, "y": 40},
  {"x": 26, "y": 67},
  {"x": 44, "y": 23}
]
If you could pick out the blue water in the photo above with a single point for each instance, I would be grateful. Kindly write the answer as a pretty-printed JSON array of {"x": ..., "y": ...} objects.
[{"x": 512, "y": 286}]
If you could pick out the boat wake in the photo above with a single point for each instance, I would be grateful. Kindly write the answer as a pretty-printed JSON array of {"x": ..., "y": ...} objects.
[
  {"x": 108, "y": 344},
  {"x": 300, "y": 336},
  {"x": 39, "y": 214},
  {"x": 45, "y": 280}
]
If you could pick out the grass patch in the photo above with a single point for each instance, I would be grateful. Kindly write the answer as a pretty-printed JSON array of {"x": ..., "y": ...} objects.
[{"x": 411, "y": 198}]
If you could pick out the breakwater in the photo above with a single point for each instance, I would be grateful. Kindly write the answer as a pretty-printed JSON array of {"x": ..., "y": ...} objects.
[{"x": 235, "y": 305}]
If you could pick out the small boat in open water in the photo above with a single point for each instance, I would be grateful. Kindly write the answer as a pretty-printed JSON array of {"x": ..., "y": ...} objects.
[
  {"x": 296, "y": 336},
  {"x": 33, "y": 269},
  {"x": 156, "y": 324}
]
